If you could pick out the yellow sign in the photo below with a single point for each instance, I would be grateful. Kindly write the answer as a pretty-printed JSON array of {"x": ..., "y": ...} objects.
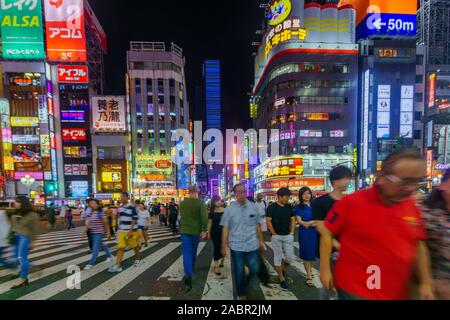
[
  {"x": 111, "y": 177},
  {"x": 287, "y": 31},
  {"x": 8, "y": 163},
  {"x": 24, "y": 121},
  {"x": 279, "y": 11}
]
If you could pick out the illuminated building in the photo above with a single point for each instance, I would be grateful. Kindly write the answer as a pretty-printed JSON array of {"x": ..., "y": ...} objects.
[
  {"x": 156, "y": 90},
  {"x": 391, "y": 82},
  {"x": 433, "y": 16},
  {"x": 306, "y": 74},
  {"x": 49, "y": 93},
  {"x": 213, "y": 101}
]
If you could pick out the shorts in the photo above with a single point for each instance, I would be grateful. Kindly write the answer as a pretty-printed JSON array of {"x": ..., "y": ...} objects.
[
  {"x": 280, "y": 245},
  {"x": 132, "y": 242}
]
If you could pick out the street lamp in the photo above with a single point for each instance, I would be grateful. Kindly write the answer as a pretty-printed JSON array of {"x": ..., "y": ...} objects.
[{"x": 28, "y": 181}]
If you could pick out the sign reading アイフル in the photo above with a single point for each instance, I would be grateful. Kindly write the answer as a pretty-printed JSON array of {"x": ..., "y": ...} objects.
[
  {"x": 64, "y": 25},
  {"x": 73, "y": 74},
  {"x": 386, "y": 18},
  {"x": 108, "y": 114},
  {"x": 21, "y": 29}
]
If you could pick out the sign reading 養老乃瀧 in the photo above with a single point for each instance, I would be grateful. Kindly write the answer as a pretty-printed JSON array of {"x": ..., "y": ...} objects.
[
  {"x": 108, "y": 114},
  {"x": 21, "y": 29}
]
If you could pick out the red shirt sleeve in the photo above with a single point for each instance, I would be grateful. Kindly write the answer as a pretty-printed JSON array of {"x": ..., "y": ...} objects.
[{"x": 335, "y": 219}]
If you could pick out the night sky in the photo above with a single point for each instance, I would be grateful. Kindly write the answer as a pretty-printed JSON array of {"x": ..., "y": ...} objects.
[{"x": 217, "y": 29}]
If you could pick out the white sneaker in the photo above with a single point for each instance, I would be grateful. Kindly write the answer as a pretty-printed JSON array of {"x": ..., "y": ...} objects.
[
  {"x": 137, "y": 262},
  {"x": 115, "y": 269},
  {"x": 88, "y": 267},
  {"x": 110, "y": 260}
]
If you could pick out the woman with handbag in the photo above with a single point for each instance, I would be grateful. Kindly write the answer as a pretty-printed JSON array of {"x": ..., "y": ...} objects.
[{"x": 24, "y": 225}]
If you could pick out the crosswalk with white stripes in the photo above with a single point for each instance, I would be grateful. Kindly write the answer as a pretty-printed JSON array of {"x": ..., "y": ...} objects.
[{"x": 63, "y": 255}]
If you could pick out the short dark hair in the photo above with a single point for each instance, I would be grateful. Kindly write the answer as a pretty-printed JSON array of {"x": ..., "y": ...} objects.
[
  {"x": 339, "y": 173},
  {"x": 238, "y": 185},
  {"x": 404, "y": 154},
  {"x": 282, "y": 192}
]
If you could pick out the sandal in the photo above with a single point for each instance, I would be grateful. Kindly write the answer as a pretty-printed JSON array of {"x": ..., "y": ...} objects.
[
  {"x": 217, "y": 271},
  {"x": 310, "y": 283}
]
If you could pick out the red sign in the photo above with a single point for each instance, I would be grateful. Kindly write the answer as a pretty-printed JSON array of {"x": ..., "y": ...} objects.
[
  {"x": 163, "y": 164},
  {"x": 429, "y": 164},
  {"x": 66, "y": 39},
  {"x": 432, "y": 90},
  {"x": 73, "y": 74},
  {"x": 444, "y": 106},
  {"x": 74, "y": 134}
]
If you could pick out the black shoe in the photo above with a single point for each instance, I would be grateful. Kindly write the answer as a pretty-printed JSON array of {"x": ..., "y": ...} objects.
[
  {"x": 284, "y": 285},
  {"x": 188, "y": 282},
  {"x": 20, "y": 284}
]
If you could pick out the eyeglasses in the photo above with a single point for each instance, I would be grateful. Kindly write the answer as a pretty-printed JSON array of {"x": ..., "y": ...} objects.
[{"x": 404, "y": 182}]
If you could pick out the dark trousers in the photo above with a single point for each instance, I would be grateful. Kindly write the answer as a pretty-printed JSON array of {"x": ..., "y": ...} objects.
[
  {"x": 89, "y": 236},
  {"x": 69, "y": 223},
  {"x": 216, "y": 238},
  {"x": 173, "y": 223},
  {"x": 111, "y": 229}
]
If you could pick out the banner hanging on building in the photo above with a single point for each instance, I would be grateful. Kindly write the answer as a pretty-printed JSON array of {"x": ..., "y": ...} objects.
[
  {"x": 21, "y": 29},
  {"x": 64, "y": 25},
  {"x": 108, "y": 114}
]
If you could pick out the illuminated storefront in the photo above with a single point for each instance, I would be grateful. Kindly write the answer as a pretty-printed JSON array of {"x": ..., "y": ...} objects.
[{"x": 295, "y": 172}]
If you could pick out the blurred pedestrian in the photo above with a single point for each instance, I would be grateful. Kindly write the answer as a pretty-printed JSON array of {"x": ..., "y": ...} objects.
[
  {"x": 5, "y": 228},
  {"x": 281, "y": 224},
  {"x": 382, "y": 236},
  {"x": 62, "y": 215},
  {"x": 162, "y": 215},
  {"x": 437, "y": 219},
  {"x": 84, "y": 216},
  {"x": 242, "y": 234},
  {"x": 143, "y": 222},
  {"x": 262, "y": 207},
  {"x": 194, "y": 227},
  {"x": 24, "y": 224},
  {"x": 340, "y": 178},
  {"x": 69, "y": 217},
  {"x": 307, "y": 233},
  {"x": 51, "y": 216},
  {"x": 128, "y": 235},
  {"x": 215, "y": 232},
  {"x": 98, "y": 226},
  {"x": 109, "y": 217},
  {"x": 173, "y": 216}
]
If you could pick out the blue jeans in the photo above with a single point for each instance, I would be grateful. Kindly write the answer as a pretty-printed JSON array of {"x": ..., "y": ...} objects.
[
  {"x": 189, "y": 245},
  {"x": 70, "y": 223},
  {"x": 22, "y": 249},
  {"x": 239, "y": 259},
  {"x": 4, "y": 262},
  {"x": 97, "y": 244}
]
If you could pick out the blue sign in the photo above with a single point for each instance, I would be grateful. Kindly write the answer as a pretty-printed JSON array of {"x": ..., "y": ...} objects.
[
  {"x": 72, "y": 116},
  {"x": 183, "y": 176},
  {"x": 387, "y": 24}
]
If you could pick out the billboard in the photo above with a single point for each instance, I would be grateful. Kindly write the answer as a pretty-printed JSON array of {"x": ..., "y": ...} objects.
[
  {"x": 73, "y": 74},
  {"x": 384, "y": 18},
  {"x": 21, "y": 29},
  {"x": 283, "y": 167},
  {"x": 407, "y": 111},
  {"x": 279, "y": 10},
  {"x": 64, "y": 26},
  {"x": 72, "y": 116},
  {"x": 74, "y": 134},
  {"x": 432, "y": 90},
  {"x": 108, "y": 114},
  {"x": 148, "y": 164},
  {"x": 384, "y": 111},
  {"x": 24, "y": 121}
]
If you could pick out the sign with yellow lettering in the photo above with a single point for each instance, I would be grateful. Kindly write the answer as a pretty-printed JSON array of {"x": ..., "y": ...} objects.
[
  {"x": 21, "y": 29},
  {"x": 289, "y": 30}
]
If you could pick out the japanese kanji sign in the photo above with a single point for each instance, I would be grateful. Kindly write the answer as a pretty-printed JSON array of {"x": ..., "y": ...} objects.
[
  {"x": 64, "y": 25},
  {"x": 108, "y": 114},
  {"x": 21, "y": 29},
  {"x": 289, "y": 30},
  {"x": 73, "y": 74}
]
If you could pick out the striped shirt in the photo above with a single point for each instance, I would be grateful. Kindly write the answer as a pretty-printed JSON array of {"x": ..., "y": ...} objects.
[
  {"x": 95, "y": 222},
  {"x": 127, "y": 214}
]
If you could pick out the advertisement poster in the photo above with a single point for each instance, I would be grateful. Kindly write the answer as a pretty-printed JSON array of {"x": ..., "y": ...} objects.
[
  {"x": 73, "y": 74},
  {"x": 21, "y": 29},
  {"x": 64, "y": 26},
  {"x": 108, "y": 114},
  {"x": 80, "y": 189}
]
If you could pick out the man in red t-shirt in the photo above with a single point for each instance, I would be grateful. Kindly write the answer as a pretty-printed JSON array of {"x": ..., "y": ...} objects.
[{"x": 382, "y": 236}]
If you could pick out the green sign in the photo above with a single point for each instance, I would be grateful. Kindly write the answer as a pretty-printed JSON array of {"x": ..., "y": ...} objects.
[{"x": 21, "y": 29}]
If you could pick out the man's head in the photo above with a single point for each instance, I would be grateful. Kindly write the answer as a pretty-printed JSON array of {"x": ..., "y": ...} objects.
[
  {"x": 259, "y": 197},
  {"x": 124, "y": 198},
  {"x": 340, "y": 178},
  {"x": 193, "y": 192},
  {"x": 172, "y": 200},
  {"x": 283, "y": 195},
  {"x": 240, "y": 193},
  {"x": 401, "y": 175}
]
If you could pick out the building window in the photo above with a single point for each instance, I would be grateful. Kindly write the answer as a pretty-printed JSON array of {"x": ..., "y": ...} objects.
[
  {"x": 162, "y": 119},
  {"x": 149, "y": 87},
  {"x": 151, "y": 134},
  {"x": 418, "y": 116},
  {"x": 419, "y": 97},
  {"x": 162, "y": 134},
  {"x": 417, "y": 134}
]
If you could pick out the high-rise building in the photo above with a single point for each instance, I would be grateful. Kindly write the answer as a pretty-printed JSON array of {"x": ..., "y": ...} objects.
[
  {"x": 434, "y": 35},
  {"x": 213, "y": 101},
  {"x": 306, "y": 75},
  {"x": 156, "y": 89}
]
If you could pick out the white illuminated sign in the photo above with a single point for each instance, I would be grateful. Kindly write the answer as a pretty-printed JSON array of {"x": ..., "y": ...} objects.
[
  {"x": 383, "y": 111},
  {"x": 365, "y": 162},
  {"x": 407, "y": 111}
]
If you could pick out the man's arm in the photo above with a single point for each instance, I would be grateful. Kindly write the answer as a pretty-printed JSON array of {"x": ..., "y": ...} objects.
[
  {"x": 270, "y": 226},
  {"x": 225, "y": 233},
  {"x": 204, "y": 221},
  {"x": 262, "y": 245},
  {"x": 423, "y": 271},
  {"x": 293, "y": 224},
  {"x": 326, "y": 247}
]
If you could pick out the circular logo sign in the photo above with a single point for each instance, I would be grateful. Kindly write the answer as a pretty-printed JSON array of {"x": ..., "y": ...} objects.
[
  {"x": 279, "y": 11},
  {"x": 163, "y": 164}
]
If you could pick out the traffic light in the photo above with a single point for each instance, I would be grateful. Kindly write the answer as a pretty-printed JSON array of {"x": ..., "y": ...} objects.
[{"x": 50, "y": 187}]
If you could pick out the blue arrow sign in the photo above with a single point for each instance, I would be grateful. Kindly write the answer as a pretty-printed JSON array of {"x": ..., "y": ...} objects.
[{"x": 387, "y": 24}]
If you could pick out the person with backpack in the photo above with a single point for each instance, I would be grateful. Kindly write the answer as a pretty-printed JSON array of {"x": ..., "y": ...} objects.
[{"x": 173, "y": 216}]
